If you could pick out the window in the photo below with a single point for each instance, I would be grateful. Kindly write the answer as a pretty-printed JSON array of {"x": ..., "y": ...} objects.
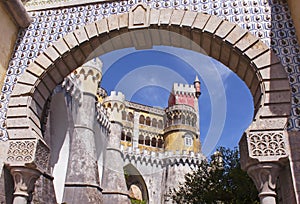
[
  {"x": 148, "y": 121},
  {"x": 154, "y": 122},
  {"x": 130, "y": 117},
  {"x": 141, "y": 139},
  {"x": 142, "y": 119},
  {"x": 188, "y": 140}
]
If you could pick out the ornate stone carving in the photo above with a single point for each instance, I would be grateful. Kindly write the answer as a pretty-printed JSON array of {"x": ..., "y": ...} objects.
[
  {"x": 33, "y": 153},
  {"x": 265, "y": 176},
  {"x": 139, "y": 16},
  {"x": 267, "y": 143},
  {"x": 24, "y": 179}
]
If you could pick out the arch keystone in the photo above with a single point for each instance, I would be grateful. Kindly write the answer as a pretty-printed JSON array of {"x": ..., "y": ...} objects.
[{"x": 139, "y": 16}]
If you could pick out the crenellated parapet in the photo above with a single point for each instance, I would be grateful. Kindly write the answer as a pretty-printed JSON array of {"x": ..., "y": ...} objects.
[
  {"x": 115, "y": 96},
  {"x": 88, "y": 77},
  {"x": 114, "y": 104},
  {"x": 84, "y": 79},
  {"x": 162, "y": 158},
  {"x": 103, "y": 116},
  {"x": 184, "y": 89}
]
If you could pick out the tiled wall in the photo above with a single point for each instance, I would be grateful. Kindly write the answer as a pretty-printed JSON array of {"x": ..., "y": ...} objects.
[{"x": 270, "y": 20}]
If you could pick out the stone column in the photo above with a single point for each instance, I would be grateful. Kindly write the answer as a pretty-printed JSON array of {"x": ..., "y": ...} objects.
[
  {"x": 135, "y": 136},
  {"x": 82, "y": 183},
  {"x": 265, "y": 176},
  {"x": 114, "y": 183},
  {"x": 263, "y": 154},
  {"x": 24, "y": 179}
]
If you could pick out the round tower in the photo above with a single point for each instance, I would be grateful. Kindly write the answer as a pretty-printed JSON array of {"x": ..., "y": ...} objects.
[
  {"x": 82, "y": 182},
  {"x": 114, "y": 184},
  {"x": 182, "y": 118}
]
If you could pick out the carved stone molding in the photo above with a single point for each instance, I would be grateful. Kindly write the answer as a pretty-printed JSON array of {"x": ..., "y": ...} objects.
[
  {"x": 265, "y": 176},
  {"x": 30, "y": 153}
]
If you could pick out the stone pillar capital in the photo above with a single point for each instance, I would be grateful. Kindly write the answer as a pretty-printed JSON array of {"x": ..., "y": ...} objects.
[
  {"x": 24, "y": 180},
  {"x": 265, "y": 176}
]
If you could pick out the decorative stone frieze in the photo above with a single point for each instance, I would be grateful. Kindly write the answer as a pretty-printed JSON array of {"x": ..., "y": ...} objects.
[
  {"x": 267, "y": 144},
  {"x": 31, "y": 153}
]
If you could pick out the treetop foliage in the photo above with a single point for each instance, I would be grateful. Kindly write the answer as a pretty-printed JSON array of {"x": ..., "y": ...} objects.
[{"x": 217, "y": 180}]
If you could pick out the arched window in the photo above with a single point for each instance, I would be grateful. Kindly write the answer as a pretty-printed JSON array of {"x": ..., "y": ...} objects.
[
  {"x": 123, "y": 135},
  {"x": 153, "y": 142},
  {"x": 148, "y": 121},
  {"x": 141, "y": 139},
  {"x": 142, "y": 119},
  {"x": 123, "y": 115},
  {"x": 160, "y": 143},
  {"x": 183, "y": 119},
  {"x": 188, "y": 140},
  {"x": 188, "y": 120},
  {"x": 176, "y": 119},
  {"x": 128, "y": 137},
  {"x": 154, "y": 122},
  {"x": 193, "y": 122},
  {"x": 147, "y": 141},
  {"x": 160, "y": 124},
  {"x": 130, "y": 117}
]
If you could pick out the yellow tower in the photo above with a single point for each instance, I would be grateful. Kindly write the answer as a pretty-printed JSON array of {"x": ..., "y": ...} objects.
[{"x": 182, "y": 118}]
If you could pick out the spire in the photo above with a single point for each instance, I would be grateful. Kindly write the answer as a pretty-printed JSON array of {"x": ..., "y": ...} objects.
[{"x": 197, "y": 85}]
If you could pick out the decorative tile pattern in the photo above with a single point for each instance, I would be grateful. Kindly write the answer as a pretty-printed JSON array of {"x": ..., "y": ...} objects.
[{"x": 269, "y": 20}]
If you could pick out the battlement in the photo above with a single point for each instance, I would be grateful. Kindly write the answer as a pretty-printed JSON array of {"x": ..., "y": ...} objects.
[
  {"x": 103, "y": 116},
  {"x": 115, "y": 96},
  {"x": 94, "y": 63},
  {"x": 183, "y": 88},
  {"x": 162, "y": 158}
]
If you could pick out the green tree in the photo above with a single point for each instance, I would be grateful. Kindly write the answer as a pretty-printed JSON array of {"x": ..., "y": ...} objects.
[{"x": 218, "y": 180}]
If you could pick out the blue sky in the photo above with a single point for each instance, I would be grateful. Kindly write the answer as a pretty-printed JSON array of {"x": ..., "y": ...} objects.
[{"x": 147, "y": 76}]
